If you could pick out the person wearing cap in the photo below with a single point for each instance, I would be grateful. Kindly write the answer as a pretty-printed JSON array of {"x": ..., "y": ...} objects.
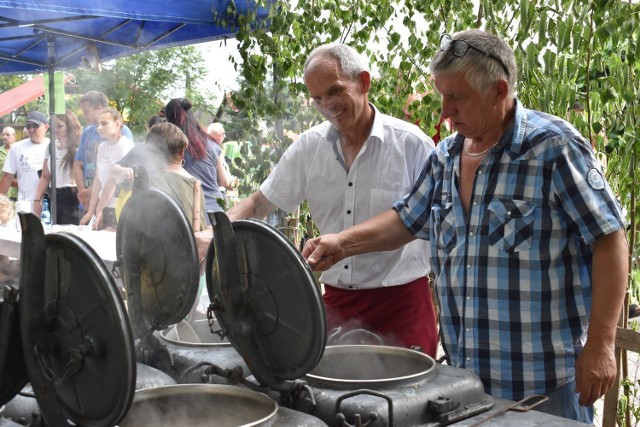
[
  {"x": 26, "y": 157},
  {"x": 9, "y": 138}
]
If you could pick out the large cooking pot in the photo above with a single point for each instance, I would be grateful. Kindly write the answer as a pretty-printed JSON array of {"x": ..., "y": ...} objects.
[
  {"x": 79, "y": 349},
  {"x": 393, "y": 385},
  {"x": 198, "y": 352},
  {"x": 357, "y": 366},
  {"x": 267, "y": 302},
  {"x": 195, "y": 334},
  {"x": 158, "y": 261},
  {"x": 197, "y": 405},
  {"x": 24, "y": 406}
]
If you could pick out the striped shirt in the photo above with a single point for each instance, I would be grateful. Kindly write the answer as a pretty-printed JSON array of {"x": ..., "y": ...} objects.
[{"x": 514, "y": 275}]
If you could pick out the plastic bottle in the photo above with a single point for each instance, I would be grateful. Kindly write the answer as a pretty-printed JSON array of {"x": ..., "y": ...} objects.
[{"x": 45, "y": 216}]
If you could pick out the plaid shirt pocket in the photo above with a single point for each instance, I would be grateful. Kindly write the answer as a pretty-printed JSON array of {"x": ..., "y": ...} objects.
[{"x": 511, "y": 224}]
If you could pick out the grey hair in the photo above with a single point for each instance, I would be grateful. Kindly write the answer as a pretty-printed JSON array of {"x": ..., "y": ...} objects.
[
  {"x": 351, "y": 63},
  {"x": 215, "y": 127},
  {"x": 480, "y": 70}
]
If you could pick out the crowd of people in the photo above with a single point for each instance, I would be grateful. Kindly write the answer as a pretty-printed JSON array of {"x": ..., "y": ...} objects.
[
  {"x": 509, "y": 220},
  {"x": 94, "y": 165}
]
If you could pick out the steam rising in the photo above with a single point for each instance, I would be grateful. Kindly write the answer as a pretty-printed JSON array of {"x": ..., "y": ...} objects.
[
  {"x": 370, "y": 364},
  {"x": 199, "y": 406}
]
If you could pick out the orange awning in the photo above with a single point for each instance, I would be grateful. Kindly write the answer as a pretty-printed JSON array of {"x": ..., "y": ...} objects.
[{"x": 23, "y": 94}]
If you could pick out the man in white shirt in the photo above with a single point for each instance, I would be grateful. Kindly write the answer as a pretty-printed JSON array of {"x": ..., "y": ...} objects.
[
  {"x": 350, "y": 168},
  {"x": 9, "y": 138},
  {"x": 26, "y": 157}
]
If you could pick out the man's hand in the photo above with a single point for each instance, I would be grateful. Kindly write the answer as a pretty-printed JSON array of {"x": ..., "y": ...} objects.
[
  {"x": 322, "y": 252},
  {"x": 595, "y": 372},
  {"x": 84, "y": 196}
]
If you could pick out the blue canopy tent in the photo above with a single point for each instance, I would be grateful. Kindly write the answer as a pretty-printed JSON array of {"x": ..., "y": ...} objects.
[{"x": 38, "y": 36}]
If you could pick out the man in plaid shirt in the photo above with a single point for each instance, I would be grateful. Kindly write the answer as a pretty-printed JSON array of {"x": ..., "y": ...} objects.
[{"x": 527, "y": 240}]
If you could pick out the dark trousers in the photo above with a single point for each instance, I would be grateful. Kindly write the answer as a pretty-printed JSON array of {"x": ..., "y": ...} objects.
[{"x": 67, "y": 206}]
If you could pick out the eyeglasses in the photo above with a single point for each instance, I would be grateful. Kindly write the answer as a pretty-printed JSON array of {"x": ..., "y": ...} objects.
[
  {"x": 32, "y": 126},
  {"x": 461, "y": 47}
]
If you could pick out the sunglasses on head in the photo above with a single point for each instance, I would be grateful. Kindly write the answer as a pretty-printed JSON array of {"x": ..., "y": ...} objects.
[
  {"x": 32, "y": 126},
  {"x": 461, "y": 47}
]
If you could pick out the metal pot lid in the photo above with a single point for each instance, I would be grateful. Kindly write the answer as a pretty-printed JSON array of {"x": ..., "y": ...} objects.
[
  {"x": 78, "y": 344},
  {"x": 266, "y": 298},
  {"x": 13, "y": 371},
  {"x": 157, "y": 252}
]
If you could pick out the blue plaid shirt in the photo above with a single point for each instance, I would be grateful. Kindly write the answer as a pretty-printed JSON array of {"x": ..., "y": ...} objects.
[{"x": 514, "y": 275}]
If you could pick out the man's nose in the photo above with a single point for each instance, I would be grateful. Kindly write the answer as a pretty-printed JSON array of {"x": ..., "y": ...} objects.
[{"x": 446, "y": 110}]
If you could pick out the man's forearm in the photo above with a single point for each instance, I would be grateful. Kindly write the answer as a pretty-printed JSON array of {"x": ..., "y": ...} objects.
[
  {"x": 383, "y": 232},
  {"x": 5, "y": 183},
  {"x": 610, "y": 270}
]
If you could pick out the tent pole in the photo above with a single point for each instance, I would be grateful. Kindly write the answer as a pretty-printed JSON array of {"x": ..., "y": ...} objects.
[{"x": 51, "y": 46}]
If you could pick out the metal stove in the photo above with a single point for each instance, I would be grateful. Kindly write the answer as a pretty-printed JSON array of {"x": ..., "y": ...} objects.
[
  {"x": 78, "y": 340},
  {"x": 269, "y": 306},
  {"x": 81, "y": 346}
]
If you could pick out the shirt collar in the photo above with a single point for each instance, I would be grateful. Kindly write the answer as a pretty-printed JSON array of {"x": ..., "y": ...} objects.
[
  {"x": 511, "y": 140},
  {"x": 332, "y": 134}
]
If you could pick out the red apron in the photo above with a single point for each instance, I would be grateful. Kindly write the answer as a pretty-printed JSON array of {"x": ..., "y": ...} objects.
[{"x": 401, "y": 315}]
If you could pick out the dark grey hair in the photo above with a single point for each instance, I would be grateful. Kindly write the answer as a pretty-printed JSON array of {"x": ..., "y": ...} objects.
[
  {"x": 351, "y": 63},
  {"x": 481, "y": 70}
]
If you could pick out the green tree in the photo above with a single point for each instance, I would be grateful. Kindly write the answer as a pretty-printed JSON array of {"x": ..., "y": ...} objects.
[
  {"x": 136, "y": 84},
  {"x": 570, "y": 53},
  {"x": 577, "y": 59},
  {"x": 10, "y": 82}
]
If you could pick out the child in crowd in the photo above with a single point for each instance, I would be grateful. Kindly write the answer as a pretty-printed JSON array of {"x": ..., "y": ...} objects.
[{"x": 110, "y": 151}]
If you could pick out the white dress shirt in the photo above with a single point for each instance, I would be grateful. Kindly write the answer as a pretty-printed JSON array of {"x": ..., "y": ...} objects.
[{"x": 384, "y": 171}]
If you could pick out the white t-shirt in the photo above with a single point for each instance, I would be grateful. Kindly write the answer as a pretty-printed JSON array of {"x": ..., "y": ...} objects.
[
  {"x": 63, "y": 172},
  {"x": 385, "y": 170},
  {"x": 25, "y": 159},
  {"x": 108, "y": 155}
]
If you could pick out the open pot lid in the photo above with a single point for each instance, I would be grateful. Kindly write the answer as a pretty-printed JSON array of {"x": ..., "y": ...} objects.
[
  {"x": 13, "y": 371},
  {"x": 266, "y": 298},
  {"x": 78, "y": 344},
  {"x": 157, "y": 252}
]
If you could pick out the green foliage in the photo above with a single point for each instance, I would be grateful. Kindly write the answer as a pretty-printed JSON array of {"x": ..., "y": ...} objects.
[
  {"x": 569, "y": 52},
  {"x": 10, "y": 82},
  {"x": 628, "y": 403},
  {"x": 135, "y": 84}
]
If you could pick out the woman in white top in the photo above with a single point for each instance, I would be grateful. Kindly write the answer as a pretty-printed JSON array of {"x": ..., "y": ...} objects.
[
  {"x": 67, "y": 133},
  {"x": 114, "y": 148}
]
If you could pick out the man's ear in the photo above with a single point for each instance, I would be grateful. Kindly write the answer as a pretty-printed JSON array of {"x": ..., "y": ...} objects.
[
  {"x": 365, "y": 81},
  {"x": 502, "y": 90}
]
